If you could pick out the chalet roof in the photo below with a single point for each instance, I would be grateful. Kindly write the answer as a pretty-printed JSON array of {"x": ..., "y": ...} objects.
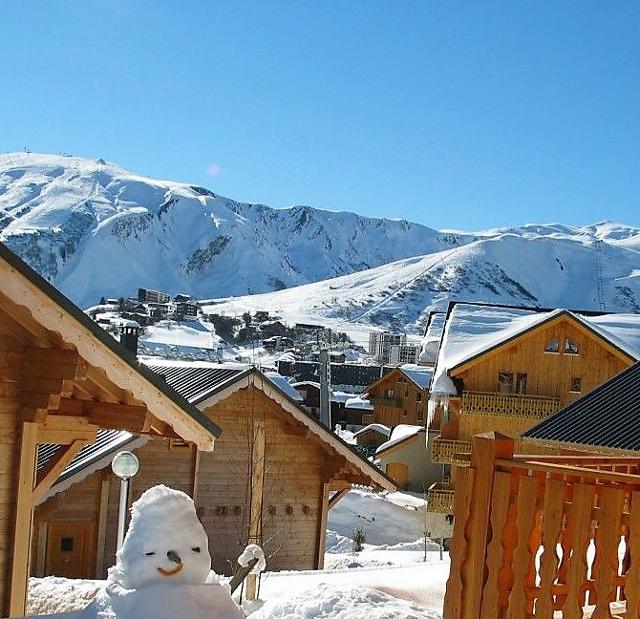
[
  {"x": 106, "y": 345},
  {"x": 432, "y": 337},
  {"x": 189, "y": 377},
  {"x": 400, "y": 434},
  {"x": 419, "y": 375},
  {"x": 608, "y": 416},
  {"x": 375, "y": 427},
  {"x": 473, "y": 329}
]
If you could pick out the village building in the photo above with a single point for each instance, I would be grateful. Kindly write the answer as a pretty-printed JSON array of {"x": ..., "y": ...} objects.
[
  {"x": 63, "y": 380},
  {"x": 401, "y": 396},
  {"x": 405, "y": 458},
  {"x": 371, "y": 437},
  {"x": 356, "y": 410},
  {"x": 275, "y": 474},
  {"x": 504, "y": 369}
]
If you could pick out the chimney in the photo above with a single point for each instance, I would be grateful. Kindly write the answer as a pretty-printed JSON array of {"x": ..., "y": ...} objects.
[{"x": 129, "y": 338}]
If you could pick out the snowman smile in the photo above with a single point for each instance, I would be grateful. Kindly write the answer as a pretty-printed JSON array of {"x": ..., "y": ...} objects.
[{"x": 172, "y": 572}]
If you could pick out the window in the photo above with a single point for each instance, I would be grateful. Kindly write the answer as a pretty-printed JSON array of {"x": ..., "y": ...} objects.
[
  {"x": 570, "y": 347},
  {"x": 388, "y": 394},
  {"x": 406, "y": 393},
  {"x": 66, "y": 544},
  {"x": 553, "y": 345},
  {"x": 419, "y": 396},
  {"x": 405, "y": 413},
  {"x": 420, "y": 414},
  {"x": 521, "y": 383},
  {"x": 505, "y": 382},
  {"x": 575, "y": 385}
]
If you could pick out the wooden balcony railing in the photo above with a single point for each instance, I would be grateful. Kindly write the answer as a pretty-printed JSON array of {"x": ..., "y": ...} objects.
[
  {"x": 544, "y": 536},
  {"x": 440, "y": 498},
  {"x": 444, "y": 451},
  {"x": 512, "y": 404}
]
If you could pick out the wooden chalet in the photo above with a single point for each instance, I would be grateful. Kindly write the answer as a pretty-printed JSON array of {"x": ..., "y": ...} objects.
[
  {"x": 274, "y": 475},
  {"x": 400, "y": 396},
  {"x": 62, "y": 379},
  {"x": 504, "y": 369}
]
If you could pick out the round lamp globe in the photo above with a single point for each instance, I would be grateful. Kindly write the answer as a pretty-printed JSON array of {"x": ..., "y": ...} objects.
[{"x": 125, "y": 465}]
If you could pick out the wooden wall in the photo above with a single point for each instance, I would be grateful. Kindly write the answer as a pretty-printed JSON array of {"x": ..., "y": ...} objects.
[
  {"x": 548, "y": 374},
  {"x": 293, "y": 488},
  {"x": 10, "y": 420},
  {"x": 409, "y": 410}
]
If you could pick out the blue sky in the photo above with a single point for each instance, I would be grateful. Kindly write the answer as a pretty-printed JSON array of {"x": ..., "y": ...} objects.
[{"x": 454, "y": 114}]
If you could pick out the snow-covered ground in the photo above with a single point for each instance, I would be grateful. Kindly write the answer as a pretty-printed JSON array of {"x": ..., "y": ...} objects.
[{"x": 392, "y": 577}]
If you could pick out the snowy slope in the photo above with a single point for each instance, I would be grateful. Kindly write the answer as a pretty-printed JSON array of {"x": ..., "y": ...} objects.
[
  {"x": 591, "y": 267},
  {"x": 94, "y": 229}
]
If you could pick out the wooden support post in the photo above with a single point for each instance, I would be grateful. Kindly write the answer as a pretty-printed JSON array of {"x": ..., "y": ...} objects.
[
  {"x": 257, "y": 488},
  {"x": 102, "y": 525},
  {"x": 41, "y": 551},
  {"x": 486, "y": 449},
  {"x": 322, "y": 526},
  {"x": 23, "y": 520}
]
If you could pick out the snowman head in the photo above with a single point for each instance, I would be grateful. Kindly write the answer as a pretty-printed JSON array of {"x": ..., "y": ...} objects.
[{"x": 165, "y": 541}]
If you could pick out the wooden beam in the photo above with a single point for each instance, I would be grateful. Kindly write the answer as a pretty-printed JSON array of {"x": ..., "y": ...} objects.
[
  {"x": 102, "y": 525},
  {"x": 322, "y": 525},
  {"x": 65, "y": 429},
  {"x": 119, "y": 416},
  {"x": 257, "y": 489},
  {"x": 22, "y": 317},
  {"x": 340, "y": 494},
  {"x": 56, "y": 467},
  {"x": 23, "y": 520}
]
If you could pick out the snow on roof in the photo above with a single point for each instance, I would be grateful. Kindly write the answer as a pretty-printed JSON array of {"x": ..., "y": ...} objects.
[
  {"x": 432, "y": 337},
  {"x": 358, "y": 402},
  {"x": 472, "y": 329},
  {"x": 420, "y": 375},
  {"x": 280, "y": 381},
  {"x": 376, "y": 427},
  {"x": 400, "y": 433}
]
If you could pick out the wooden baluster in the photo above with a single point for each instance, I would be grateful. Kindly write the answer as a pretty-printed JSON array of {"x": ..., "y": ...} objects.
[
  {"x": 605, "y": 568},
  {"x": 499, "y": 574},
  {"x": 551, "y": 528},
  {"x": 566, "y": 541},
  {"x": 524, "y": 571},
  {"x": 632, "y": 577},
  {"x": 459, "y": 546},
  {"x": 580, "y": 518}
]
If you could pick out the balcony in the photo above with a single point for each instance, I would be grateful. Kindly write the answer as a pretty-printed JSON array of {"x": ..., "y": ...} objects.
[
  {"x": 394, "y": 402},
  {"x": 510, "y": 404},
  {"x": 440, "y": 498},
  {"x": 443, "y": 451}
]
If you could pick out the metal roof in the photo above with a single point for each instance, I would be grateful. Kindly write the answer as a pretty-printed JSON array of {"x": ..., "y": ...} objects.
[
  {"x": 608, "y": 416},
  {"x": 193, "y": 382}
]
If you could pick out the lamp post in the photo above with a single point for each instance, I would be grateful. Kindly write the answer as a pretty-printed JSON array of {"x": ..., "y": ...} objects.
[{"x": 125, "y": 465}]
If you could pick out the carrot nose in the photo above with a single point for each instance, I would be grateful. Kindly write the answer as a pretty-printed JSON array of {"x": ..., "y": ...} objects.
[{"x": 174, "y": 556}]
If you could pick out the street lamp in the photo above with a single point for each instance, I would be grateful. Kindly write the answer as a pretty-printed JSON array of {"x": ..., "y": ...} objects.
[{"x": 125, "y": 465}]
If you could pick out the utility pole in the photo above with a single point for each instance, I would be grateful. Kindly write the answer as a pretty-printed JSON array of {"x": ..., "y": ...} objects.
[{"x": 325, "y": 386}]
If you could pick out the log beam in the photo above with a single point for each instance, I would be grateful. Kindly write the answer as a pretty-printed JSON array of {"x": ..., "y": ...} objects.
[{"x": 49, "y": 476}]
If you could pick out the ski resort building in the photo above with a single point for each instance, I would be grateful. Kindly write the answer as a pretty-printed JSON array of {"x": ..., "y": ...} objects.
[
  {"x": 275, "y": 474},
  {"x": 63, "y": 382},
  {"x": 400, "y": 396},
  {"x": 506, "y": 368}
]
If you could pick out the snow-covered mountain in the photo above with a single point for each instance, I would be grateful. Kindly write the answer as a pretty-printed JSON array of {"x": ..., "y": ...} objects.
[
  {"x": 591, "y": 267},
  {"x": 95, "y": 229}
]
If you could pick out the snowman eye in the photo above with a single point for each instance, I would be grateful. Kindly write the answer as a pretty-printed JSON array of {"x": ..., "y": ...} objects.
[
  {"x": 149, "y": 554},
  {"x": 196, "y": 549}
]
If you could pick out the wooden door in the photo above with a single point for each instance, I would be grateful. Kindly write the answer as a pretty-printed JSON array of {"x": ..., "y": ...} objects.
[
  {"x": 399, "y": 472},
  {"x": 69, "y": 549}
]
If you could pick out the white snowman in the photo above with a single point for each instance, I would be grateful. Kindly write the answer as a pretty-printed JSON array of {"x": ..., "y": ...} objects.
[{"x": 163, "y": 569}]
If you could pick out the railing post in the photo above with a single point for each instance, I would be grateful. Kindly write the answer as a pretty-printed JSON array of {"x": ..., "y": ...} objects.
[{"x": 486, "y": 449}]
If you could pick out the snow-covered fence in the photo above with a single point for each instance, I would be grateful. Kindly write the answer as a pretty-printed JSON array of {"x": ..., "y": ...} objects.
[{"x": 544, "y": 536}]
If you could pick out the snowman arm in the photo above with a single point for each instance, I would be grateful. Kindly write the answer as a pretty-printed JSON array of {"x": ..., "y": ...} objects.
[{"x": 236, "y": 581}]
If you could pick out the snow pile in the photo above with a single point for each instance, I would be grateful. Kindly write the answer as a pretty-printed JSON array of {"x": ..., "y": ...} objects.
[
  {"x": 53, "y": 594},
  {"x": 284, "y": 385},
  {"x": 346, "y": 602},
  {"x": 377, "y": 427}
]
